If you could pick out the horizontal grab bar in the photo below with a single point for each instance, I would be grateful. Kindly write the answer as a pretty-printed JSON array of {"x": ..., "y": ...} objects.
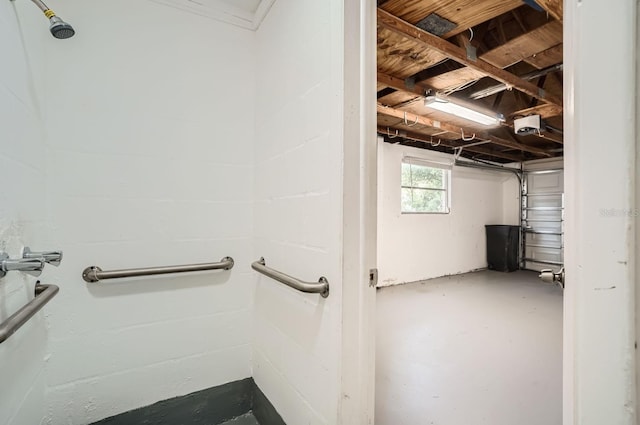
[
  {"x": 43, "y": 294},
  {"x": 96, "y": 274},
  {"x": 322, "y": 287}
]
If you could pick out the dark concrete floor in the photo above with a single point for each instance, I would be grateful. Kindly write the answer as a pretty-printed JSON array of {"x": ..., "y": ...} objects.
[
  {"x": 478, "y": 348},
  {"x": 246, "y": 419}
]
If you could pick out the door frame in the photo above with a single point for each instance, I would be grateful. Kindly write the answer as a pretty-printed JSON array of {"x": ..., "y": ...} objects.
[
  {"x": 357, "y": 398},
  {"x": 599, "y": 355},
  {"x": 599, "y": 362}
]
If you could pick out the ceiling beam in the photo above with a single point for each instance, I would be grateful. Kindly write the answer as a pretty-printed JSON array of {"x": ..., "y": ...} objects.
[
  {"x": 482, "y": 135},
  {"x": 397, "y": 25},
  {"x": 545, "y": 111},
  {"x": 528, "y": 76},
  {"x": 419, "y": 137},
  {"x": 553, "y": 8},
  {"x": 524, "y": 46},
  {"x": 551, "y": 137},
  {"x": 400, "y": 84}
]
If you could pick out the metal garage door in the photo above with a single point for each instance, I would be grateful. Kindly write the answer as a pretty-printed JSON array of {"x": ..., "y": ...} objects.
[{"x": 543, "y": 219}]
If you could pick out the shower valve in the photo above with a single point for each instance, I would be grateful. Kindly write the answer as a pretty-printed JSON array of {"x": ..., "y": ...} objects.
[
  {"x": 50, "y": 257},
  {"x": 32, "y": 266}
]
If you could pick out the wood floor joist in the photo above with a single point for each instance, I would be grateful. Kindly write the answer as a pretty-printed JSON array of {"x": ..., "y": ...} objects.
[
  {"x": 547, "y": 58},
  {"x": 418, "y": 137},
  {"x": 544, "y": 110},
  {"x": 528, "y": 44},
  {"x": 484, "y": 135},
  {"x": 553, "y": 8},
  {"x": 430, "y": 41},
  {"x": 400, "y": 84},
  {"x": 551, "y": 137},
  {"x": 465, "y": 14}
]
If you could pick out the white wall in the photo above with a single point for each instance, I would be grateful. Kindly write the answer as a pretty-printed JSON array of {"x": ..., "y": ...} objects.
[
  {"x": 298, "y": 213},
  {"x": 149, "y": 161},
  {"x": 414, "y": 247},
  {"x": 22, "y": 218},
  {"x": 170, "y": 138}
]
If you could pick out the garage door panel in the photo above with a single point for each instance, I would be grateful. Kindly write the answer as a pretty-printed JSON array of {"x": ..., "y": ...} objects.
[
  {"x": 545, "y": 201},
  {"x": 544, "y": 239},
  {"x": 551, "y": 181},
  {"x": 542, "y": 219},
  {"x": 544, "y": 254}
]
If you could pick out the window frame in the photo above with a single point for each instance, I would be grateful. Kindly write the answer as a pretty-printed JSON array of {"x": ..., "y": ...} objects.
[{"x": 446, "y": 168}]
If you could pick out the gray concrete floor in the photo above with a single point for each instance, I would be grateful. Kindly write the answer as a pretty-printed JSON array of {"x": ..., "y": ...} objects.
[{"x": 478, "y": 348}]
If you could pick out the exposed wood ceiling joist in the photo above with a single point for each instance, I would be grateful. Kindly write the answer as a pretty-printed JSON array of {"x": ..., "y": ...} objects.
[
  {"x": 441, "y": 46},
  {"x": 546, "y": 58},
  {"x": 451, "y": 144},
  {"x": 483, "y": 135},
  {"x": 553, "y": 8},
  {"x": 399, "y": 84},
  {"x": 402, "y": 56},
  {"x": 545, "y": 111},
  {"x": 488, "y": 91},
  {"x": 551, "y": 137},
  {"x": 525, "y": 46},
  {"x": 464, "y": 14},
  {"x": 453, "y": 79}
]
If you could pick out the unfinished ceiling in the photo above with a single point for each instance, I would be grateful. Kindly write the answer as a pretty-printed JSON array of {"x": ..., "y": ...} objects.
[{"x": 503, "y": 56}]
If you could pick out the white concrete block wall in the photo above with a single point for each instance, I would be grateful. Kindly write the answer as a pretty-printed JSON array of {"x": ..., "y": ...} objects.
[
  {"x": 22, "y": 218},
  {"x": 411, "y": 246},
  {"x": 149, "y": 146},
  {"x": 298, "y": 215}
]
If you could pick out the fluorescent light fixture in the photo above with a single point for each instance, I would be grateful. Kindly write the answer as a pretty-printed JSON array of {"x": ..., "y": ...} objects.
[{"x": 459, "y": 109}]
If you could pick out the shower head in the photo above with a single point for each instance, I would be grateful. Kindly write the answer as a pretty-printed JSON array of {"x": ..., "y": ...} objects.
[{"x": 59, "y": 28}]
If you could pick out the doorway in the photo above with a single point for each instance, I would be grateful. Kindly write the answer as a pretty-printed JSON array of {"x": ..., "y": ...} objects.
[
  {"x": 592, "y": 241},
  {"x": 469, "y": 114}
]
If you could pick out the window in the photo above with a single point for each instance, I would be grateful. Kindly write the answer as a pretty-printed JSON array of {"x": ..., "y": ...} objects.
[{"x": 425, "y": 186}]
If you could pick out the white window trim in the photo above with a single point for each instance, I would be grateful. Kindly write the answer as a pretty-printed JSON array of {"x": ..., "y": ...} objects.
[{"x": 446, "y": 166}]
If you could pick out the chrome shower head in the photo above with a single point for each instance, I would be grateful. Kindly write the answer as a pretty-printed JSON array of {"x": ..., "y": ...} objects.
[{"x": 60, "y": 29}]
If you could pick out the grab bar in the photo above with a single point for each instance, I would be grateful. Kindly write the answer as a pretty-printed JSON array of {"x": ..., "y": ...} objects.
[
  {"x": 96, "y": 274},
  {"x": 43, "y": 294},
  {"x": 322, "y": 287}
]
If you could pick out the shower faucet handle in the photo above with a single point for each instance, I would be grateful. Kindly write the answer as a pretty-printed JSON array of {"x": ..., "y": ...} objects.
[
  {"x": 32, "y": 266},
  {"x": 50, "y": 257}
]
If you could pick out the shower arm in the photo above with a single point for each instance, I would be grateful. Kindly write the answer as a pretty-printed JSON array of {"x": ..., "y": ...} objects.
[{"x": 41, "y": 5}]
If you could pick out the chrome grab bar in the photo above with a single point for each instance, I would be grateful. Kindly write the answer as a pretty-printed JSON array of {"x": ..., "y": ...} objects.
[
  {"x": 96, "y": 274},
  {"x": 322, "y": 287},
  {"x": 43, "y": 294}
]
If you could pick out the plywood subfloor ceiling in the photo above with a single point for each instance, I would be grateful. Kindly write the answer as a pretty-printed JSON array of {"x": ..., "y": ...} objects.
[{"x": 500, "y": 55}]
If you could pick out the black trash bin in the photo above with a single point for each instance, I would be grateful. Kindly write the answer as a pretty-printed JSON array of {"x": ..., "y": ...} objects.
[{"x": 502, "y": 247}]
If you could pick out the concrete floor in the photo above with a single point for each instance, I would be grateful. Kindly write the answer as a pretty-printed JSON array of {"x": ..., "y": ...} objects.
[{"x": 478, "y": 348}]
